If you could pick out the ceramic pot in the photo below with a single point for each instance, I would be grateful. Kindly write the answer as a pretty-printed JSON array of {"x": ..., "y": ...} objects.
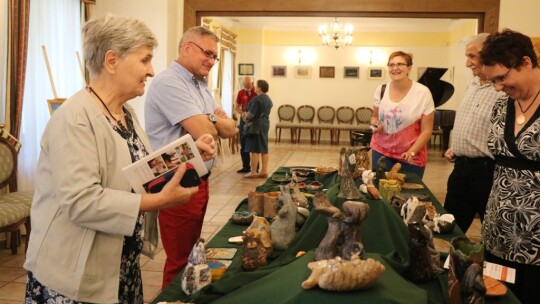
[
  {"x": 271, "y": 204},
  {"x": 465, "y": 282},
  {"x": 256, "y": 203}
]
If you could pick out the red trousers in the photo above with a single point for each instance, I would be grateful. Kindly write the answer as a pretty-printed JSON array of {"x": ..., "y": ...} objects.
[{"x": 180, "y": 227}]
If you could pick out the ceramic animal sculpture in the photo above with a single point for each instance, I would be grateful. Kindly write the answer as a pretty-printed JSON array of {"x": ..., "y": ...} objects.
[
  {"x": 394, "y": 174},
  {"x": 368, "y": 187},
  {"x": 342, "y": 275},
  {"x": 298, "y": 197},
  {"x": 465, "y": 281},
  {"x": 257, "y": 244},
  {"x": 347, "y": 188},
  {"x": 444, "y": 223},
  {"x": 283, "y": 227},
  {"x": 354, "y": 214},
  {"x": 420, "y": 269},
  {"x": 197, "y": 273},
  {"x": 415, "y": 211},
  {"x": 473, "y": 288},
  {"x": 327, "y": 247},
  {"x": 362, "y": 161}
]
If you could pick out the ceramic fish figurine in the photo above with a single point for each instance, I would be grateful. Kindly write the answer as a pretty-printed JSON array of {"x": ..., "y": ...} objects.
[
  {"x": 284, "y": 225},
  {"x": 342, "y": 275},
  {"x": 197, "y": 273},
  {"x": 257, "y": 244}
]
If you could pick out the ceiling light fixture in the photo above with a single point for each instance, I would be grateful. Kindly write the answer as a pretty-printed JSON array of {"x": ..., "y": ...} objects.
[{"x": 336, "y": 34}]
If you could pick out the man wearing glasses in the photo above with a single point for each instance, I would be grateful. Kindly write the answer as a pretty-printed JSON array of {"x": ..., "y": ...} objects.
[
  {"x": 470, "y": 182},
  {"x": 179, "y": 102}
]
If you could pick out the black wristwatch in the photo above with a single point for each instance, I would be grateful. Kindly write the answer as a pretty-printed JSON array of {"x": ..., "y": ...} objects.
[{"x": 212, "y": 118}]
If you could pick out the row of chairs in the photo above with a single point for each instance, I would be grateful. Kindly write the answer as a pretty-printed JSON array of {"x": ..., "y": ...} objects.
[{"x": 326, "y": 115}]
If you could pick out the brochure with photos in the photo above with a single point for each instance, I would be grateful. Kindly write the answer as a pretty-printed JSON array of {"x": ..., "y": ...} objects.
[{"x": 155, "y": 166}]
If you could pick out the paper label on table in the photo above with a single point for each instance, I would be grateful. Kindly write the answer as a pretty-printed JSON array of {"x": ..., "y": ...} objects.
[
  {"x": 352, "y": 159},
  {"x": 499, "y": 272},
  {"x": 496, "y": 271}
]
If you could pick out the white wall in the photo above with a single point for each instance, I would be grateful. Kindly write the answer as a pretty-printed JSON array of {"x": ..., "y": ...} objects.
[
  {"x": 163, "y": 17},
  {"x": 520, "y": 16}
]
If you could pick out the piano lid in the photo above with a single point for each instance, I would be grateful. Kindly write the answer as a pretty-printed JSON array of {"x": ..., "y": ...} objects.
[{"x": 440, "y": 89}]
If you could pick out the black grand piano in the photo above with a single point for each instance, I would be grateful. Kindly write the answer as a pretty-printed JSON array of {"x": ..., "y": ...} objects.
[
  {"x": 441, "y": 92},
  {"x": 444, "y": 119}
]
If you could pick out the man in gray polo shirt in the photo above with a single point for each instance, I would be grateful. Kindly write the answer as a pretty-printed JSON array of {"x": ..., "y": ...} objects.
[
  {"x": 179, "y": 102},
  {"x": 470, "y": 182}
]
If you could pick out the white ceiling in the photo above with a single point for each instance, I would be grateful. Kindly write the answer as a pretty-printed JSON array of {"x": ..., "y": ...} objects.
[{"x": 359, "y": 24}]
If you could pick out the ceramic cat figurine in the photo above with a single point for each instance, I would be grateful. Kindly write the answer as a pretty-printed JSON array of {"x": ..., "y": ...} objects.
[
  {"x": 284, "y": 226},
  {"x": 197, "y": 273},
  {"x": 257, "y": 244},
  {"x": 342, "y": 275}
]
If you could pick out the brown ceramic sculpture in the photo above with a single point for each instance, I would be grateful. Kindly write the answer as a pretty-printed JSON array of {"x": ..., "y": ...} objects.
[
  {"x": 284, "y": 225},
  {"x": 256, "y": 203},
  {"x": 271, "y": 204},
  {"x": 343, "y": 237},
  {"x": 342, "y": 275},
  {"x": 257, "y": 244},
  {"x": 465, "y": 282},
  {"x": 197, "y": 273}
]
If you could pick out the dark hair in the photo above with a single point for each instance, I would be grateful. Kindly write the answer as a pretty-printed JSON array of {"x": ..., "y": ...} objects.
[
  {"x": 406, "y": 56},
  {"x": 263, "y": 84},
  {"x": 507, "y": 48}
]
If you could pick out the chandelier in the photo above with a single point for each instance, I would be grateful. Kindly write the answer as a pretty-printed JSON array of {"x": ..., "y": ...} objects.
[{"x": 336, "y": 34}]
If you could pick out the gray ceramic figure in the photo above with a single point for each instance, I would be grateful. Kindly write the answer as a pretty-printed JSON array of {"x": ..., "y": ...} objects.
[
  {"x": 354, "y": 214},
  {"x": 420, "y": 268},
  {"x": 284, "y": 225},
  {"x": 348, "y": 189},
  {"x": 197, "y": 273},
  {"x": 328, "y": 248}
]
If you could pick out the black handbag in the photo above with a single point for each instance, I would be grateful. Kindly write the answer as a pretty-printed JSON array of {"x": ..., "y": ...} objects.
[{"x": 251, "y": 127}]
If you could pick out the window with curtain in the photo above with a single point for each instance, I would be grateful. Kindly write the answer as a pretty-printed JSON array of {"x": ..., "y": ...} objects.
[
  {"x": 56, "y": 24},
  {"x": 3, "y": 57}
]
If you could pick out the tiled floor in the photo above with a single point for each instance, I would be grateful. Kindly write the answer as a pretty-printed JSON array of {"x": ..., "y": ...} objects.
[{"x": 227, "y": 189}]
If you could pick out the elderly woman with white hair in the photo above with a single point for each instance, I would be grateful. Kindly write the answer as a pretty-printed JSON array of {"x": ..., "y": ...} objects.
[{"x": 87, "y": 224}]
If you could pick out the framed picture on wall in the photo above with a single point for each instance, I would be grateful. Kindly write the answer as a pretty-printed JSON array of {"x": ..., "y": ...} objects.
[
  {"x": 351, "y": 72},
  {"x": 279, "y": 71},
  {"x": 246, "y": 69},
  {"x": 302, "y": 72},
  {"x": 327, "y": 72},
  {"x": 375, "y": 73}
]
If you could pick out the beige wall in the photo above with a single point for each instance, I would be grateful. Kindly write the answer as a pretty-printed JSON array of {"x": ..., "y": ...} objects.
[{"x": 165, "y": 18}]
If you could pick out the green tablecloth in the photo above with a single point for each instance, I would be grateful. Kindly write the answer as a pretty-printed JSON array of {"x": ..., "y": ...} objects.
[{"x": 385, "y": 238}]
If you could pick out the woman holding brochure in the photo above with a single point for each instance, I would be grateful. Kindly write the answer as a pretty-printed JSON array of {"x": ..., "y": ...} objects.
[{"x": 87, "y": 223}]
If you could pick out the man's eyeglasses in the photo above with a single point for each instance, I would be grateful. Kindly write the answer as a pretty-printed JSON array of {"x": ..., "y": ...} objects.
[
  {"x": 207, "y": 53},
  {"x": 397, "y": 65},
  {"x": 499, "y": 79}
]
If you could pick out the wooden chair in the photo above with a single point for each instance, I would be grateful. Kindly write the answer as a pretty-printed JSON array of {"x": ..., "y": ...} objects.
[
  {"x": 326, "y": 116},
  {"x": 345, "y": 119},
  {"x": 306, "y": 114},
  {"x": 14, "y": 206},
  {"x": 437, "y": 131},
  {"x": 361, "y": 133},
  {"x": 286, "y": 115}
]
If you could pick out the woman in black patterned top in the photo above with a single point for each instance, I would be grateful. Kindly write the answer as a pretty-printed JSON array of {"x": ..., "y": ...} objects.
[{"x": 511, "y": 228}]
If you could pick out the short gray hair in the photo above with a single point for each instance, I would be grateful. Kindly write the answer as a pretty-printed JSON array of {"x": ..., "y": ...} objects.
[
  {"x": 119, "y": 34},
  {"x": 197, "y": 31},
  {"x": 477, "y": 39}
]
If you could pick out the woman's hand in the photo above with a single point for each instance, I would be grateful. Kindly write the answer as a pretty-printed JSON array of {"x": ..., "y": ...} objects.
[
  {"x": 207, "y": 147},
  {"x": 408, "y": 156},
  {"x": 376, "y": 125}
]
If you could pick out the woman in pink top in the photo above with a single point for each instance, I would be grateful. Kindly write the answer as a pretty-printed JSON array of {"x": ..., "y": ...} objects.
[{"x": 403, "y": 114}]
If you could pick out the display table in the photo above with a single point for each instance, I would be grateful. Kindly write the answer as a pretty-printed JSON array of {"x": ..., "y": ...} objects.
[{"x": 385, "y": 237}]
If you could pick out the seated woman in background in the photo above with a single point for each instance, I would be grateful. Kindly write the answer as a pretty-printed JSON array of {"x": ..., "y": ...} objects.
[
  {"x": 403, "y": 112},
  {"x": 87, "y": 224},
  {"x": 511, "y": 227}
]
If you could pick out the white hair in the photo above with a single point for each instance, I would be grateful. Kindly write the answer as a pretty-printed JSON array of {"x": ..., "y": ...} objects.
[{"x": 477, "y": 39}]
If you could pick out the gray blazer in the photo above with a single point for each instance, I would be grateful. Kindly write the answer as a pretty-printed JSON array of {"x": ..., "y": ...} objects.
[{"x": 83, "y": 205}]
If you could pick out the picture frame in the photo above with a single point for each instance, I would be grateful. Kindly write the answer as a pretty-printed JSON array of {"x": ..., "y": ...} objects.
[
  {"x": 376, "y": 73},
  {"x": 351, "y": 72},
  {"x": 54, "y": 104},
  {"x": 246, "y": 69},
  {"x": 302, "y": 72},
  {"x": 279, "y": 71},
  {"x": 327, "y": 72}
]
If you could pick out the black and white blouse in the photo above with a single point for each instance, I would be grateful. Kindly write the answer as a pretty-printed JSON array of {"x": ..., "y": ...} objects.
[{"x": 511, "y": 227}]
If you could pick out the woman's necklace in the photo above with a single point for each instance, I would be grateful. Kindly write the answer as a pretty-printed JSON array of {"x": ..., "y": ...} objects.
[
  {"x": 118, "y": 121},
  {"x": 521, "y": 118}
]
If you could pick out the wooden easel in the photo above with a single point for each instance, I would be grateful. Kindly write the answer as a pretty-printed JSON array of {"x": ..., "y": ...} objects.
[{"x": 56, "y": 102}]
